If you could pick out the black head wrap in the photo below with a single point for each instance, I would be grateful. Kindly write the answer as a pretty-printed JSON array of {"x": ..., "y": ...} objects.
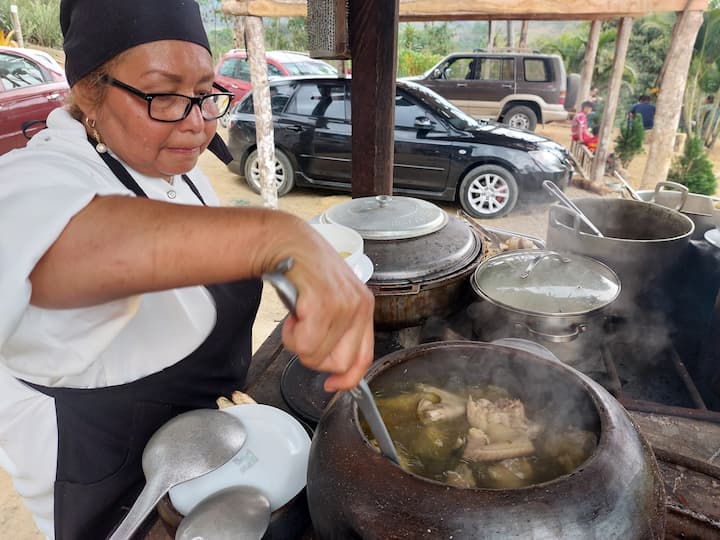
[{"x": 96, "y": 31}]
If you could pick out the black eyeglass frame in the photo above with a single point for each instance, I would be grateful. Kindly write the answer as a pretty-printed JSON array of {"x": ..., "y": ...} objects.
[{"x": 148, "y": 97}]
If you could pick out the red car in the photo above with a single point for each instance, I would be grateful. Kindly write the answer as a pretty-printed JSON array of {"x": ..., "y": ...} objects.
[
  {"x": 31, "y": 85},
  {"x": 233, "y": 70}
]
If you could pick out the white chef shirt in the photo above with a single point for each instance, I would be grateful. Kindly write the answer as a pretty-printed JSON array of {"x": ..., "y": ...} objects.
[{"x": 41, "y": 189}]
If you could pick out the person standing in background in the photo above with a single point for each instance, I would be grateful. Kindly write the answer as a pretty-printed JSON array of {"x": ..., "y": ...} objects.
[
  {"x": 646, "y": 109},
  {"x": 579, "y": 128}
]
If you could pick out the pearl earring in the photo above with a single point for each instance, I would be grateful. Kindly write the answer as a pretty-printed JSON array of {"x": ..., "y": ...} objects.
[{"x": 100, "y": 147}]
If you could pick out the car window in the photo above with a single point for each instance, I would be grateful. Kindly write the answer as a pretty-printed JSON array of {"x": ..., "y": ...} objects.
[
  {"x": 459, "y": 68},
  {"x": 406, "y": 111},
  {"x": 495, "y": 69},
  {"x": 18, "y": 72},
  {"x": 274, "y": 71},
  {"x": 536, "y": 70},
  {"x": 326, "y": 100},
  {"x": 279, "y": 96},
  {"x": 309, "y": 68}
]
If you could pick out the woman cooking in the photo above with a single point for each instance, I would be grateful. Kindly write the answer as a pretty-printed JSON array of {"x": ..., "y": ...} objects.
[{"x": 128, "y": 296}]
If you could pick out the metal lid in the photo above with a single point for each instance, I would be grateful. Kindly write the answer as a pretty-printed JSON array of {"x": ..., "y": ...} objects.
[
  {"x": 387, "y": 218},
  {"x": 546, "y": 282}
]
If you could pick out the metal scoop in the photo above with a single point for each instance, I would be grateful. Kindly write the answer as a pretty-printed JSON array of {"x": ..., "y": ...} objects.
[
  {"x": 236, "y": 513},
  {"x": 556, "y": 192},
  {"x": 361, "y": 394},
  {"x": 190, "y": 445}
]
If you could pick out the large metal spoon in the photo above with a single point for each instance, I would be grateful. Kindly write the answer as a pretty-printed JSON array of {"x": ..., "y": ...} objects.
[
  {"x": 190, "y": 445},
  {"x": 557, "y": 193},
  {"x": 236, "y": 513},
  {"x": 361, "y": 393}
]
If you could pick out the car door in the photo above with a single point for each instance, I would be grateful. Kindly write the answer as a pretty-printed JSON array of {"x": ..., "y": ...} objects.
[
  {"x": 422, "y": 152},
  {"x": 319, "y": 113},
  {"x": 28, "y": 94}
]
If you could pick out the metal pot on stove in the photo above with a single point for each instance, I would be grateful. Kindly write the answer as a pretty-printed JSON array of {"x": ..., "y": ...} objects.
[
  {"x": 556, "y": 299},
  {"x": 422, "y": 257},
  {"x": 615, "y": 492}
]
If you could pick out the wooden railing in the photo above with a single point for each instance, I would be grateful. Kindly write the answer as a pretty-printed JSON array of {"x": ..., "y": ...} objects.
[{"x": 583, "y": 158}]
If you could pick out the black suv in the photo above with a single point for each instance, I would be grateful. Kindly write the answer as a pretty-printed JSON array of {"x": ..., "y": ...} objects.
[
  {"x": 517, "y": 88},
  {"x": 440, "y": 152}
]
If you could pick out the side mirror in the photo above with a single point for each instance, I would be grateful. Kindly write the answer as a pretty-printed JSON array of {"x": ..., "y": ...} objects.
[{"x": 423, "y": 122}]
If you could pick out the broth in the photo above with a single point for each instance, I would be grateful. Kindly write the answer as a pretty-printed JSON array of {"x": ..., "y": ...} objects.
[{"x": 479, "y": 436}]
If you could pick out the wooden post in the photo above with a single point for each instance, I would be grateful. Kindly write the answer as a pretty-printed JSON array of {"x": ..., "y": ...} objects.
[
  {"x": 510, "y": 35},
  {"x": 16, "y": 25},
  {"x": 263, "y": 112},
  {"x": 588, "y": 65},
  {"x": 606, "y": 125},
  {"x": 669, "y": 102},
  {"x": 491, "y": 35},
  {"x": 373, "y": 47},
  {"x": 524, "y": 33},
  {"x": 238, "y": 31}
]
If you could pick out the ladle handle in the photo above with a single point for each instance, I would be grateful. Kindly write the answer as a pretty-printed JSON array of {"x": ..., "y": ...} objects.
[
  {"x": 556, "y": 192},
  {"x": 628, "y": 187},
  {"x": 361, "y": 394},
  {"x": 144, "y": 504}
]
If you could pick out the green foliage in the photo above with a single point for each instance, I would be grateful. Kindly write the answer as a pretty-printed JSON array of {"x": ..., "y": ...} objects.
[
  {"x": 693, "y": 169},
  {"x": 39, "y": 20},
  {"x": 432, "y": 38},
  {"x": 286, "y": 34},
  {"x": 415, "y": 63},
  {"x": 630, "y": 141}
]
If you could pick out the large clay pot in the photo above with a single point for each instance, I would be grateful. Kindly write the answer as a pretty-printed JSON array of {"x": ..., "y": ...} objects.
[{"x": 617, "y": 493}]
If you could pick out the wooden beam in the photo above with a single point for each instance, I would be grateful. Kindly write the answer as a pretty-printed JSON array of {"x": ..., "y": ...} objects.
[
  {"x": 622, "y": 41},
  {"x": 670, "y": 97},
  {"x": 373, "y": 44},
  {"x": 468, "y": 10}
]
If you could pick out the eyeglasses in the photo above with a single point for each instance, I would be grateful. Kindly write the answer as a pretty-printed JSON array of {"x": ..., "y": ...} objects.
[{"x": 168, "y": 107}]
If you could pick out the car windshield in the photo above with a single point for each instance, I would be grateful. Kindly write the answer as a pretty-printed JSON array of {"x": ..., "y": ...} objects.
[
  {"x": 454, "y": 116},
  {"x": 309, "y": 68}
]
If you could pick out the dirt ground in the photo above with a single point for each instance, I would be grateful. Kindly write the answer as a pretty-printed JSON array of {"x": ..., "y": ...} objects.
[{"x": 15, "y": 520}]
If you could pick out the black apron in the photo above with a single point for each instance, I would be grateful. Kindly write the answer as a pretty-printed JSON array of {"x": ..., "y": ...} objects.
[{"x": 102, "y": 432}]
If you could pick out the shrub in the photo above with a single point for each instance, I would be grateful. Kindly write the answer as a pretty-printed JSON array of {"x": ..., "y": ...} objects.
[
  {"x": 693, "y": 169},
  {"x": 630, "y": 141}
]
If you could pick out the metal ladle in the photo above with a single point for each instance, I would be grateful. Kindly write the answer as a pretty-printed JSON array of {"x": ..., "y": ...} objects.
[
  {"x": 361, "y": 393},
  {"x": 190, "y": 445},
  {"x": 557, "y": 193},
  {"x": 236, "y": 513}
]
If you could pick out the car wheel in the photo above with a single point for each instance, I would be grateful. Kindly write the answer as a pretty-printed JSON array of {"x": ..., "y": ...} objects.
[
  {"x": 521, "y": 117},
  {"x": 284, "y": 173},
  {"x": 488, "y": 191}
]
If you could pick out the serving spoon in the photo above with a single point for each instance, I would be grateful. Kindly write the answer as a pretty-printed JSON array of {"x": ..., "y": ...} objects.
[
  {"x": 361, "y": 393},
  {"x": 190, "y": 445},
  {"x": 555, "y": 192}
]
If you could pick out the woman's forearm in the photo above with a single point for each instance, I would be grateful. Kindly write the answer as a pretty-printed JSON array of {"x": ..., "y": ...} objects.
[{"x": 119, "y": 246}]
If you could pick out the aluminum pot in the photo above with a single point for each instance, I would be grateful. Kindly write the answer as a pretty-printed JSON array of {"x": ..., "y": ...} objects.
[
  {"x": 642, "y": 242},
  {"x": 422, "y": 257},
  {"x": 558, "y": 300},
  {"x": 699, "y": 208},
  {"x": 355, "y": 492}
]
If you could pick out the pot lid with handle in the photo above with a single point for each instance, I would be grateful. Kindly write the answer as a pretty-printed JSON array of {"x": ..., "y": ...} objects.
[
  {"x": 387, "y": 218},
  {"x": 543, "y": 282}
]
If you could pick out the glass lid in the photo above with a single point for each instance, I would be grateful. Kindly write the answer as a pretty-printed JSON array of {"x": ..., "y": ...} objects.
[
  {"x": 385, "y": 217},
  {"x": 546, "y": 282}
]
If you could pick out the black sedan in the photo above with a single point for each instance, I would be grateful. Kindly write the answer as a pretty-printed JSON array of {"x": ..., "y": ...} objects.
[{"x": 440, "y": 152}]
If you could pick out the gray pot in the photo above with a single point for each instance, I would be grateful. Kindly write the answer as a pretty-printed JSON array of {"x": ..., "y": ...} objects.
[
  {"x": 642, "y": 242},
  {"x": 699, "y": 208},
  {"x": 557, "y": 300}
]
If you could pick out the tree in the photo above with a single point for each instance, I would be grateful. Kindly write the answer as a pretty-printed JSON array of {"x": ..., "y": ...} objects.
[
  {"x": 630, "y": 141},
  {"x": 693, "y": 169}
]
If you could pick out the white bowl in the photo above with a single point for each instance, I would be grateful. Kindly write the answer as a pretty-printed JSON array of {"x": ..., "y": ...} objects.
[
  {"x": 273, "y": 459},
  {"x": 346, "y": 241}
]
